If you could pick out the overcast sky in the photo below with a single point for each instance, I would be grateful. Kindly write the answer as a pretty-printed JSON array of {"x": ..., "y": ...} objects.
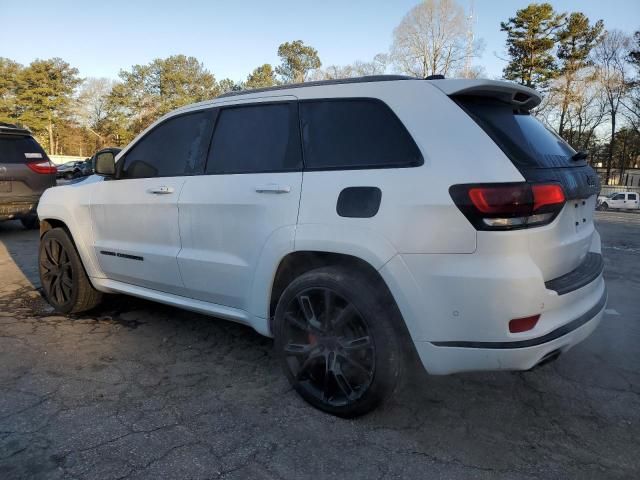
[{"x": 233, "y": 37}]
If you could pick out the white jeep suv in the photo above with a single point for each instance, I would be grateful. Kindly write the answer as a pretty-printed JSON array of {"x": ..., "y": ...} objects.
[{"x": 355, "y": 221}]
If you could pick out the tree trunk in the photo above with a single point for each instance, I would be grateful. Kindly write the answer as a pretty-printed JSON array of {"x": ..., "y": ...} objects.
[
  {"x": 50, "y": 130},
  {"x": 622, "y": 158},
  {"x": 611, "y": 144}
]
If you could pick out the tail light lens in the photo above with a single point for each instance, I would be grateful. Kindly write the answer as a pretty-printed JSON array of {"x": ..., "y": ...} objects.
[
  {"x": 42, "y": 167},
  {"x": 508, "y": 206}
]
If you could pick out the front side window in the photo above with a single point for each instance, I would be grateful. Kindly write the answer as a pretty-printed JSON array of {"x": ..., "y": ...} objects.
[
  {"x": 174, "y": 148},
  {"x": 354, "y": 133},
  {"x": 618, "y": 196},
  {"x": 255, "y": 139}
]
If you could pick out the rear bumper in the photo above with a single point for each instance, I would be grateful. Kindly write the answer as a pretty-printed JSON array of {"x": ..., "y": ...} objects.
[
  {"x": 17, "y": 207},
  {"x": 452, "y": 357},
  {"x": 457, "y": 309}
]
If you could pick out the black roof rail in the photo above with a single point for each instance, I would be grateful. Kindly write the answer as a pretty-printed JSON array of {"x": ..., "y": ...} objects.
[
  {"x": 434, "y": 77},
  {"x": 320, "y": 83}
]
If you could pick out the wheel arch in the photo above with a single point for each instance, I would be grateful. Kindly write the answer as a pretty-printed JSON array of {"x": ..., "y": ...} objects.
[{"x": 297, "y": 263}]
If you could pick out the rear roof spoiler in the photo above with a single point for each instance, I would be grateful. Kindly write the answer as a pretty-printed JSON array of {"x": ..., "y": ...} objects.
[{"x": 517, "y": 95}]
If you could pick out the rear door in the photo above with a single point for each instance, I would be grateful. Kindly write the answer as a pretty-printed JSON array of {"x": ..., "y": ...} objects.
[
  {"x": 248, "y": 196},
  {"x": 135, "y": 215},
  {"x": 542, "y": 157},
  {"x": 632, "y": 201}
]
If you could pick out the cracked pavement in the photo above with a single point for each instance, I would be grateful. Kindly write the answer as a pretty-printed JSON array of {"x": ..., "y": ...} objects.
[{"x": 140, "y": 390}]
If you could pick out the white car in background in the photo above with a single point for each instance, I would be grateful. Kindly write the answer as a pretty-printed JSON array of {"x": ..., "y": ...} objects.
[
  {"x": 358, "y": 222},
  {"x": 619, "y": 200}
]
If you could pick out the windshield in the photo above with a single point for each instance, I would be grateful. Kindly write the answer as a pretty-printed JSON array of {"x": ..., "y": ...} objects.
[{"x": 522, "y": 137}]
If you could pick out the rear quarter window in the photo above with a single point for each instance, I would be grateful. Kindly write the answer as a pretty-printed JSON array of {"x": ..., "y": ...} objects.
[
  {"x": 522, "y": 137},
  {"x": 18, "y": 149},
  {"x": 354, "y": 133}
]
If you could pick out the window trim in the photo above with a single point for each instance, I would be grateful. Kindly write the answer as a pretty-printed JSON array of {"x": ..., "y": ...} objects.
[
  {"x": 219, "y": 109},
  {"x": 375, "y": 100},
  {"x": 121, "y": 161}
]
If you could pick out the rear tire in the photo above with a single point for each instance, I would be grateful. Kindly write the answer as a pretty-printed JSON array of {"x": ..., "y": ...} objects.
[
  {"x": 64, "y": 281},
  {"x": 338, "y": 341},
  {"x": 30, "y": 222}
]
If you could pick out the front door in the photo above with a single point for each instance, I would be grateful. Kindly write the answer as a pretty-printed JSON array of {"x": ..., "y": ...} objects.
[
  {"x": 135, "y": 215},
  {"x": 248, "y": 196}
]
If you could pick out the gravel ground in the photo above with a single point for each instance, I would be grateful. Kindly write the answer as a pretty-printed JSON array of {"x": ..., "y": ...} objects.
[{"x": 140, "y": 390}]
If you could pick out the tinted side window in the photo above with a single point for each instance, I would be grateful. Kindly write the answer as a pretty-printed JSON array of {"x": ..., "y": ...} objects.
[
  {"x": 256, "y": 138},
  {"x": 355, "y": 133},
  {"x": 18, "y": 149},
  {"x": 619, "y": 196},
  {"x": 632, "y": 196},
  {"x": 176, "y": 147}
]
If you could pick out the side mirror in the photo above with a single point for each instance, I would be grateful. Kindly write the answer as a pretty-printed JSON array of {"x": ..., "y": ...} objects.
[{"x": 105, "y": 163}]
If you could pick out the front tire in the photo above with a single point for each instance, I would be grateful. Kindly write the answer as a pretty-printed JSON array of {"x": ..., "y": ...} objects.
[
  {"x": 337, "y": 341},
  {"x": 604, "y": 206},
  {"x": 64, "y": 281}
]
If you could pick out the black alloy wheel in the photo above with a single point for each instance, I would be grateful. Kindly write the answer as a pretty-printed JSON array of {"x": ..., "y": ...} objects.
[
  {"x": 336, "y": 334},
  {"x": 57, "y": 273},
  {"x": 329, "y": 350}
]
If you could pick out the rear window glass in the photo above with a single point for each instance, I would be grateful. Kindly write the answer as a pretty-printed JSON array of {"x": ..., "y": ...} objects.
[
  {"x": 17, "y": 149},
  {"x": 522, "y": 137},
  {"x": 355, "y": 133}
]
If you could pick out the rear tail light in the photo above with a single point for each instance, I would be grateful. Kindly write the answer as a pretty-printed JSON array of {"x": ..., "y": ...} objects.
[
  {"x": 518, "y": 325},
  {"x": 42, "y": 167},
  {"x": 508, "y": 206}
]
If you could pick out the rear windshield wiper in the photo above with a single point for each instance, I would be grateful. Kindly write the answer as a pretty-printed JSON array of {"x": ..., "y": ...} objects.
[{"x": 581, "y": 155}]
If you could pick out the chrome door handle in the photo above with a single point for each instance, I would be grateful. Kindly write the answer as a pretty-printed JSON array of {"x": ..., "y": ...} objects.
[
  {"x": 162, "y": 190},
  {"x": 273, "y": 188}
]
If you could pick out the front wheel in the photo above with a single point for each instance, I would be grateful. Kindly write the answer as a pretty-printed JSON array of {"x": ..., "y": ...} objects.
[
  {"x": 604, "y": 206},
  {"x": 64, "y": 282},
  {"x": 336, "y": 338}
]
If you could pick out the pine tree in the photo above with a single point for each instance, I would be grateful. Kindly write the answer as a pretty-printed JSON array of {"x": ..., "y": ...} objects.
[
  {"x": 531, "y": 37},
  {"x": 298, "y": 60},
  {"x": 575, "y": 42}
]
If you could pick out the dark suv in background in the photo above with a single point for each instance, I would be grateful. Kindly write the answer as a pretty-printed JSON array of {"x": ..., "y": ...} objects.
[{"x": 25, "y": 173}]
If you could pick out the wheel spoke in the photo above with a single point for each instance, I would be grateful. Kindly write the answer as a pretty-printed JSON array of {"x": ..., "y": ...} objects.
[
  {"x": 57, "y": 289},
  {"x": 342, "y": 380},
  {"x": 342, "y": 318},
  {"x": 55, "y": 251},
  {"x": 356, "y": 344},
  {"x": 307, "y": 310},
  {"x": 49, "y": 253},
  {"x": 296, "y": 322},
  {"x": 328, "y": 310},
  {"x": 298, "y": 349},
  {"x": 328, "y": 360},
  {"x": 357, "y": 365},
  {"x": 311, "y": 359}
]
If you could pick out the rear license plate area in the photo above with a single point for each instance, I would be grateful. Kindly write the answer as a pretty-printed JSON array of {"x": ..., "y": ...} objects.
[{"x": 583, "y": 210}]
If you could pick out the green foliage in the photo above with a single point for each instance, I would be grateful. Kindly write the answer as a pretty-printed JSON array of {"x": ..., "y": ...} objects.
[
  {"x": 298, "y": 60},
  {"x": 261, "y": 77},
  {"x": 149, "y": 91},
  {"x": 9, "y": 71},
  {"x": 228, "y": 85},
  {"x": 43, "y": 96},
  {"x": 531, "y": 37},
  {"x": 576, "y": 40}
]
